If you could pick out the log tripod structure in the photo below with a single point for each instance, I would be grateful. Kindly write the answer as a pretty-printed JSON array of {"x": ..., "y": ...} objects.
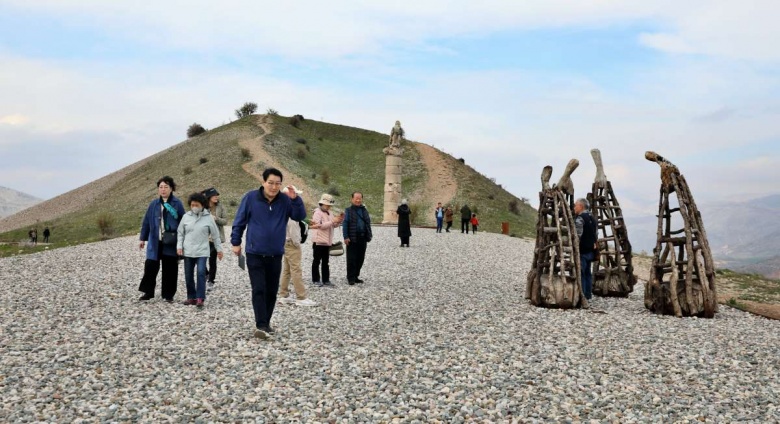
[
  {"x": 554, "y": 280},
  {"x": 682, "y": 275},
  {"x": 613, "y": 273}
]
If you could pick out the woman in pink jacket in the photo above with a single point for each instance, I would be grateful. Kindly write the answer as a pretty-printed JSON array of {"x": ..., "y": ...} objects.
[{"x": 321, "y": 227}]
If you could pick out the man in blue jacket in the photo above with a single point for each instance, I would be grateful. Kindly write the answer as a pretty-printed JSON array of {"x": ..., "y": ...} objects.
[{"x": 264, "y": 214}]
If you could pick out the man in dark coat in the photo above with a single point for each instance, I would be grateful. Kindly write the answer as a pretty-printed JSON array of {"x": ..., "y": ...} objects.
[
  {"x": 465, "y": 218},
  {"x": 404, "y": 224},
  {"x": 356, "y": 229},
  {"x": 587, "y": 233}
]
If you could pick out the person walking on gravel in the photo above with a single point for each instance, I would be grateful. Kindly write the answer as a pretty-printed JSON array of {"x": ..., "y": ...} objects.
[
  {"x": 158, "y": 228},
  {"x": 291, "y": 269},
  {"x": 448, "y": 217},
  {"x": 356, "y": 230},
  {"x": 404, "y": 223},
  {"x": 587, "y": 233},
  {"x": 217, "y": 212},
  {"x": 465, "y": 218},
  {"x": 474, "y": 223},
  {"x": 264, "y": 214},
  {"x": 196, "y": 230},
  {"x": 439, "y": 214},
  {"x": 322, "y": 224}
]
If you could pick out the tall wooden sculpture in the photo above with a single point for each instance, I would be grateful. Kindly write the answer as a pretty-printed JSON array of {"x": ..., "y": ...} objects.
[
  {"x": 555, "y": 280},
  {"x": 682, "y": 276},
  {"x": 613, "y": 274}
]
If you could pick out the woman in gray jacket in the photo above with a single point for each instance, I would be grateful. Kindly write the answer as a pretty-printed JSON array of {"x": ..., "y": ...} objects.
[{"x": 192, "y": 242}]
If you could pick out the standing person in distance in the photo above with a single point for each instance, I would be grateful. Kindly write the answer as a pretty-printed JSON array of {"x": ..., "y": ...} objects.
[
  {"x": 264, "y": 214},
  {"x": 448, "y": 217},
  {"x": 404, "y": 223},
  {"x": 465, "y": 218},
  {"x": 356, "y": 230},
  {"x": 587, "y": 233},
  {"x": 196, "y": 230},
  {"x": 474, "y": 223},
  {"x": 158, "y": 228},
  {"x": 439, "y": 214},
  {"x": 217, "y": 212},
  {"x": 46, "y": 234},
  {"x": 322, "y": 224}
]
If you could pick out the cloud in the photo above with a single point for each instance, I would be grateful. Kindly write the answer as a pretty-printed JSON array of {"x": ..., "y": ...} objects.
[{"x": 14, "y": 119}]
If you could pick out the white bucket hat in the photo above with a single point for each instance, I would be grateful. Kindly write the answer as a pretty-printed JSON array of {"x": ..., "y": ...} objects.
[
  {"x": 326, "y": 199},
  {"x": 284, "y": 190}
]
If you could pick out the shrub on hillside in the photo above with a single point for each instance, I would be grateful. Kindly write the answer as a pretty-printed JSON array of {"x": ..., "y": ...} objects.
[
  {"x": 247, "y": 109},
  {"x": 333, "y": 190},
  {"x": 325, "y": 176},
  {"x": 301, "y": 152},
  {"x": 414, "y": 213},
  {"x": 300, "y": 140},
  {"x": 491, "y": 197},
  {"x": 105, "y": 223},
  {"x": 195, "y": 130},
  {"x": 203, "y": 160},
  {"x": 295, "y": 121},
  {"x": 272, "y": 112},
  {"x": 461, "y": 160},
  {"x": 313, "y": 175},
  {"x": 233, "y": 203},
  {"x": 187, "y": 170},
  {"x": 514, "y": 207},
  {"x": 246, "y": 154}
]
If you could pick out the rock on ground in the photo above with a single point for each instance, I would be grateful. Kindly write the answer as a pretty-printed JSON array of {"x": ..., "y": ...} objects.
[{"x": 439, "y": 332}]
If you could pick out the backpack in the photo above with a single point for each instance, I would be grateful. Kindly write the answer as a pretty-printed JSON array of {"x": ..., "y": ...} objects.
[{"x": 304, "y": 231}]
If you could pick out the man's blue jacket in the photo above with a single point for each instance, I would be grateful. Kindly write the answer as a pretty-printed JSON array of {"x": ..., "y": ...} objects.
[{"x": 265, "y": 222}]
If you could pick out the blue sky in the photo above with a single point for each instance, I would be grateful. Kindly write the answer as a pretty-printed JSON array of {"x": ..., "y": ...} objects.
[{"x": 91, "y": 86}]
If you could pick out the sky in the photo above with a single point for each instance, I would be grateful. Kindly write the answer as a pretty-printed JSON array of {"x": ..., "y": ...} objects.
[{"x": 89, "y": 86}]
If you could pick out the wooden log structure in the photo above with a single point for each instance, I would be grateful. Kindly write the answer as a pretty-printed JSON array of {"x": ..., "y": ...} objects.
[
  {"x": 613, "y": 272},
  {"x": 682, "y": 275},
  {"x": 554, "y": 280}
]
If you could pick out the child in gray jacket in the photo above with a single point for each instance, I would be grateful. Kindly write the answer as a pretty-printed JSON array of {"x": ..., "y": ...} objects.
[{"x": 192, "y": 242}]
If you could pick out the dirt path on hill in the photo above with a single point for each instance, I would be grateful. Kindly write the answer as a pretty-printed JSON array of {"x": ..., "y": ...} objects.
[
  {"x": 441, "y": 185},
  {"x": 260, "y": 155}
]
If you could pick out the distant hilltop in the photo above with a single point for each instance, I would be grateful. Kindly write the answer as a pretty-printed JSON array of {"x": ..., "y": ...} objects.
[{"x": 12, "y": 201}]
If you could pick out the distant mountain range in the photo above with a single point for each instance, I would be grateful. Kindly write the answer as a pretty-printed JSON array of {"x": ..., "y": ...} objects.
[
  {"x": 744, "y": 236},
  {"x": 12, "y": 201}
]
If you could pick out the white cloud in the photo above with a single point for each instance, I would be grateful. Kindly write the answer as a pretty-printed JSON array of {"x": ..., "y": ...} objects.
[{"x": 14, "y": 119}]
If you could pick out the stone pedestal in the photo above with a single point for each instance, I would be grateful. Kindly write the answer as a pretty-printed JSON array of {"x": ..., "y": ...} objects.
[{"x": 392, "y": 189}]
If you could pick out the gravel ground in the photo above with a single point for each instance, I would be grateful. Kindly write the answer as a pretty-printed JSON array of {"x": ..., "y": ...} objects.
[{"x": 440, "y": 332}]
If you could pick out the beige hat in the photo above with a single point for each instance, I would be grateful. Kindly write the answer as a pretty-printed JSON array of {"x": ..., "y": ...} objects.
[
  {"x": 284, "y": 190},
  {"x": 326, "y": 199}
]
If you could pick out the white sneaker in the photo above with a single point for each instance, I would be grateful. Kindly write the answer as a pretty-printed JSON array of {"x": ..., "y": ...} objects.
[
  {"x": 306, "y": 302},
  {"x": 209, "y": 286},
  {"x": 287, "y": 300}
]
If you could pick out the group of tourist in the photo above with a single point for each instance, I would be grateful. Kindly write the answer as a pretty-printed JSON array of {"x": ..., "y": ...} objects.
[
  {"x": 169, "y": 233},
  {"x": 268, "y": 221}
]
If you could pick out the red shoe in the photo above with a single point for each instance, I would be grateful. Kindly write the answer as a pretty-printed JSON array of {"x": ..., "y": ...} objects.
[
  {"x": 199, "y": 303},
  {"x": 189, "y": 302}
]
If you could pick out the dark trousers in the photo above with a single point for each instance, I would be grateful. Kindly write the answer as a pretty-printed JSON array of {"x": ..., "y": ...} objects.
[
  {"x": 405, "y": 241},
  {"x": 321, "y": 254},
  {"x": 356, "y": 254},
  {"x": 438, "y": 223},
  {"x": 264, "y": 273},
  {"x": 474, "y": 229},
  {"x": 464, "y": 225},
  {"x": 45, "y": 239},
  {"x": 449, "y": 225},
  {"x": 212, "y": 262},
  {"x": 587, "y": 273},
  {"x": 170, "y": 276}
]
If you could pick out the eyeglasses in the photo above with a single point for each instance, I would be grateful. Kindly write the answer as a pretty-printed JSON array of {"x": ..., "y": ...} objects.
[{"x": 274, "y": 183}]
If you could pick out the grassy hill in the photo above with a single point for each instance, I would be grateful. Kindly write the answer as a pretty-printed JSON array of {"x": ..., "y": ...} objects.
[{"x": 320, "y": 156}]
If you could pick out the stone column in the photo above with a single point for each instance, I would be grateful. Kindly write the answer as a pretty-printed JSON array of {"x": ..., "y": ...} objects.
[{"x": 392, "y": 189}]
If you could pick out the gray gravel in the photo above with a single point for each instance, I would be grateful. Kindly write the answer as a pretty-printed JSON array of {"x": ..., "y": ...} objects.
[{"x": 439, "y": 332}]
